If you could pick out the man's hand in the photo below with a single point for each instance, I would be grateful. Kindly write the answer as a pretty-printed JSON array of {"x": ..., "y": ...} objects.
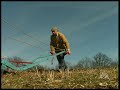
[
  {"x": 68, "y": 52},
  {"x": 52, "y": 52}
]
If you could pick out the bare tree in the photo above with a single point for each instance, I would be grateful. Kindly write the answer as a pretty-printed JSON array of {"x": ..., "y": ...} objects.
[
  {"x": 101, "y": 60},
  {"x": 85, "y": 63}
]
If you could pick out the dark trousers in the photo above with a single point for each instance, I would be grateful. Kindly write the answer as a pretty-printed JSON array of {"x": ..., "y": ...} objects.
[{"x": 61, "y": 61}]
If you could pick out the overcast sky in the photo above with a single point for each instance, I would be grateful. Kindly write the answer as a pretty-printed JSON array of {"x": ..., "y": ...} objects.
[{"x": 90, "y": 27}]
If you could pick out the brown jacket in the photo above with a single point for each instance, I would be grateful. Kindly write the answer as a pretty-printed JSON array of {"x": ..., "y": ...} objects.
[{"x": 59, "y": 42}]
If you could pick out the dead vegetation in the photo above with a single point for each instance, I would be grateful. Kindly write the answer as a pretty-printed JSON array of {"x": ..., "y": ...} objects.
[{"x": 106, "y": 78}]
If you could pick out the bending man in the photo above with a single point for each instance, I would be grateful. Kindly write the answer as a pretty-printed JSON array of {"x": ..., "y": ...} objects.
[{"x": 59, "y": 43}]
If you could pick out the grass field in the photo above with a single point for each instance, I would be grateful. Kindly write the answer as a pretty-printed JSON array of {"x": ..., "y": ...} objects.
[{"x": 106, "y": 78}]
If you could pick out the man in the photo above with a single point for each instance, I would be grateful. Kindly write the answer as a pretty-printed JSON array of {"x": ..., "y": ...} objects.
[{"x": 59, "y": 43}]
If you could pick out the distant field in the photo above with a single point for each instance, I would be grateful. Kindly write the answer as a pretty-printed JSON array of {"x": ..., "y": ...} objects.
[{"x": 106, "y": 78}]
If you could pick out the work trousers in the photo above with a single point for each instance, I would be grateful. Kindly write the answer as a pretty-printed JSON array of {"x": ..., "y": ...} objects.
[{"x": 61, "y": 61}]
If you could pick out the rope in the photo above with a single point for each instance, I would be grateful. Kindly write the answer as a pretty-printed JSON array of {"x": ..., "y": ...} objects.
[
  {"x": 52, "y": 60},
  {"x": 16, "y": 29},
  {"x": 24, "y": 42},
  {"x": 26, "y": 35}
]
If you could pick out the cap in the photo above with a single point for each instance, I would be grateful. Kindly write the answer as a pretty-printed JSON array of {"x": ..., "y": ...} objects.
[{"x": 54, "y": 29}]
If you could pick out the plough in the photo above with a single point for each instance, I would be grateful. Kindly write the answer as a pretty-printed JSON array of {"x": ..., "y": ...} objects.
[{"x": 7, "y": 64}]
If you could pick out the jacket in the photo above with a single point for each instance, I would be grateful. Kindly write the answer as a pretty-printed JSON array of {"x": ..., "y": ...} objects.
[{"x": 59, "y": 42}]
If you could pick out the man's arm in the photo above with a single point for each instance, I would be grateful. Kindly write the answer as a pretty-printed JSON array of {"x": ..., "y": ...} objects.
[
  {"x": 65, "y": 41},
  {"x": 51, "y": 46}
]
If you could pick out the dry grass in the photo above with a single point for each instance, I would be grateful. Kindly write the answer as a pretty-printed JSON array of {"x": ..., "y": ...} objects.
[{"x": 82, "y": 79}]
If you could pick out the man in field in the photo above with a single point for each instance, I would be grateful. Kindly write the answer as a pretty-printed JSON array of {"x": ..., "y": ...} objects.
[{"x": 58, "y": 43}]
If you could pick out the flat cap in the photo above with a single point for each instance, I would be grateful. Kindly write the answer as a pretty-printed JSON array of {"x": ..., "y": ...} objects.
[{"x": 54, "y": 29}]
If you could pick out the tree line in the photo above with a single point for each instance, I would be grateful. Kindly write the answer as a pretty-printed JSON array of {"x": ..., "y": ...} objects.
[{"x": 100, "y": 60}]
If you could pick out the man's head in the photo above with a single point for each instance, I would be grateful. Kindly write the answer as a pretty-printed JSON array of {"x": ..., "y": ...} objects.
[{"x": 54, "y": 30}]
